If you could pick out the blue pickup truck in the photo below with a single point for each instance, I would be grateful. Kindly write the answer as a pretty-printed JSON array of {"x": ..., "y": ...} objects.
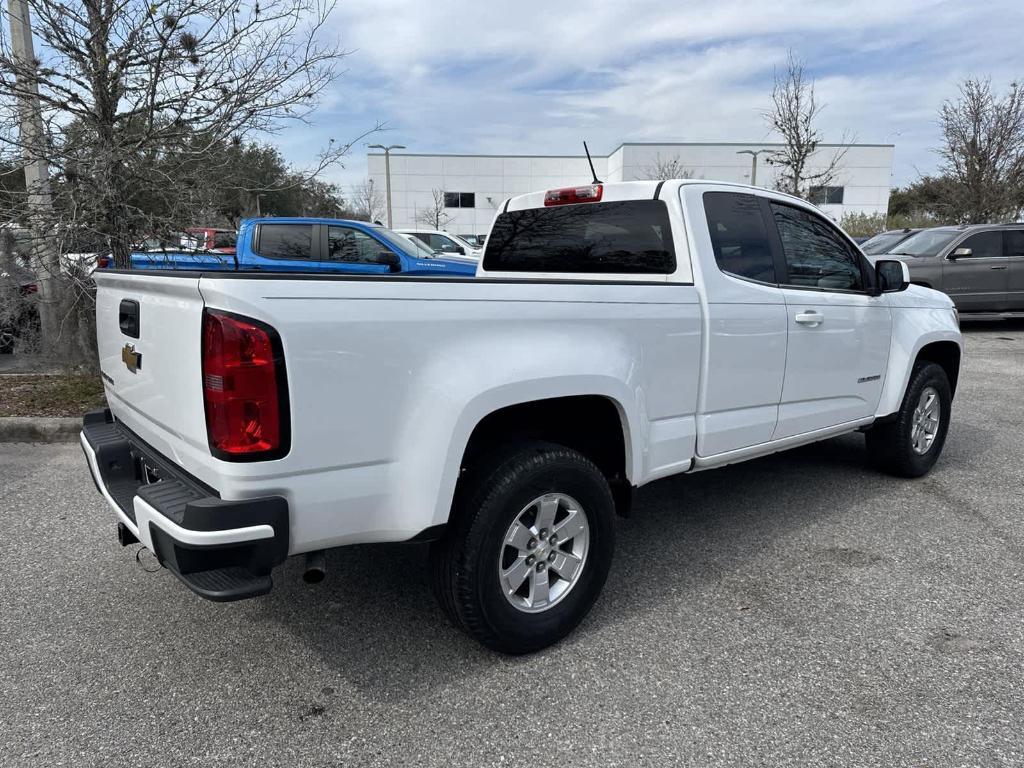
[{"x": 313, "y": 245}]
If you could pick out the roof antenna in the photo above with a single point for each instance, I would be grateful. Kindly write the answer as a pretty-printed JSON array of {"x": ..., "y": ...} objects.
[{"x": 596, "y": 180}]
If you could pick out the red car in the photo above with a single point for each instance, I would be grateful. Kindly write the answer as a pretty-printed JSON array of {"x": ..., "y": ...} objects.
[{"x": 211, "y": 239}]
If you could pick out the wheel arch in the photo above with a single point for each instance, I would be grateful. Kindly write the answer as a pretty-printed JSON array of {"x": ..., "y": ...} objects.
[
  {"x": 940, "y": 344},
  {"x": 947, "y": 355}
]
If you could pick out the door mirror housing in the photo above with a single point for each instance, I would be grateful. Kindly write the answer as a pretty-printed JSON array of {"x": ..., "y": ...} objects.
[
  {"x": 960, "y": 253},
  {"x": 389, "y": 260},
  {"x": 891, "y": 276}
]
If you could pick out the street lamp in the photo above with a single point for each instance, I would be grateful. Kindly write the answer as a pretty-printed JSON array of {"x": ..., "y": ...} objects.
[
  {"x": 387, "y": 171},
  {"x": 753, "y": 163}
]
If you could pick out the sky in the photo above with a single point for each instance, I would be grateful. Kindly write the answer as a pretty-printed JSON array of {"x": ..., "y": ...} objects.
[{"x": 530, "y": 77}]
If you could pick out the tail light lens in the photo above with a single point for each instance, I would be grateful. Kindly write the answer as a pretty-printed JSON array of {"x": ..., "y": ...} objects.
[
  {"x": 102, "y": 262},
  {"x": 244, "y": 388},
  {"x": 569, "y": 195}
]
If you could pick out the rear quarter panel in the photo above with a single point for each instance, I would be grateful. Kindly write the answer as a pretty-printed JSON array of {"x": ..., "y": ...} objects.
[{"x": 388, "y": 378}]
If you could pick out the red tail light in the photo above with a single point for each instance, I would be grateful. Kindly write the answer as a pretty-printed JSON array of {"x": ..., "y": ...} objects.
[
  {"x": 244, "y": 388},
  {"x": 588, "y": 194},
  {"x": 102, "y": 262}
]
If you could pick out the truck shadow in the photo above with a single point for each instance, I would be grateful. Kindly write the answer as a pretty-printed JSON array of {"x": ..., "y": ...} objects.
[{"x": 375, "y": 622}]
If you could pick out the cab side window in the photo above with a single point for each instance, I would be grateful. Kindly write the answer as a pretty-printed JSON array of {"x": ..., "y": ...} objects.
[
  {"x": 352, "y": 246},
  {"x": 984, "y": 245},
  {"x": 817, "y": 255},
  {"x": 739, "y": 236},
  {"x": 442, "y": 243},
  {"x": 286, "y": 241}
]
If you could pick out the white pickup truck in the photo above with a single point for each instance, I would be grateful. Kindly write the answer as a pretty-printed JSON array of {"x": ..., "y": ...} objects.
[{"x": 613, "y": 335}]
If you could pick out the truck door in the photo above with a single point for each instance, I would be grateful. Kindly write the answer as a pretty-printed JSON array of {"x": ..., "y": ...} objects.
[
  {"x": 352, "y": 251},
  {"x": 978, "y": 281},
  {"x": 838, "y": 335},
  {"x": 746, "y": 326}
]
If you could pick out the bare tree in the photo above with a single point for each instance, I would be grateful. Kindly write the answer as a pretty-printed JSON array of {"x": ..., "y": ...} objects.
[
  {"x": 983, "y": 152},
  {"x": 435, "y": 217},
  {"x": 367, "y": 201},
  {"x": 794, "y": 113},
  {"x": 138, "y": 100},
  {"x": 663, "y": 169}
]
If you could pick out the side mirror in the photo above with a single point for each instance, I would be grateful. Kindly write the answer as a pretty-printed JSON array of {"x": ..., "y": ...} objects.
[
  {"x": 389, "y": 260},
  {"x": 891, "y": 276},
  {"x": 960, "y": 253}
]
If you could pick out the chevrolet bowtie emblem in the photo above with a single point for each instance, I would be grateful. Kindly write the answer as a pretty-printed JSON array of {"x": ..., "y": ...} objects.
[{"x": 132, "y": 360}]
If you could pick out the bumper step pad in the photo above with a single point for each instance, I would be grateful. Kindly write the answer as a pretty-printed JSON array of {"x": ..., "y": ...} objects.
[
  {"x": 130, "y": 468},
  {"x": 226, "y": 584}
]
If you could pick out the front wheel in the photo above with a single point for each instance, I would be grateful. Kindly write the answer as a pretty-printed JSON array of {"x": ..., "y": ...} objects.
[
  {"x": 528, "y": 549},
  {"x": 910, "y": 444}
]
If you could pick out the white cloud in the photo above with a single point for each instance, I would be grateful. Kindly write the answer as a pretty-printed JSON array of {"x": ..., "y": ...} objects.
[{"x": 537, "y": 77}]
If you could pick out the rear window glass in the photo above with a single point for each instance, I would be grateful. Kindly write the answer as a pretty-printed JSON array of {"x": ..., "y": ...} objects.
[
  {"x": 224, "y": 239},
  {"x": 286, "y": 241},
  {"x": 627, "y": 237}
]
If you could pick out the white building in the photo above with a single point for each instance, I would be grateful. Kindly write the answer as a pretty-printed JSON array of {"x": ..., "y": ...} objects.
[{"x": 475, "y": 186}]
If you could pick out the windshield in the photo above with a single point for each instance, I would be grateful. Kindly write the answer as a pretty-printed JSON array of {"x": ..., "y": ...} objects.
[
  {"x": 425, "y": 250},
  {"x": 883, "y": 243},
  {"x": 926, "y": 243},
  {"x": 408, "y": 247}
]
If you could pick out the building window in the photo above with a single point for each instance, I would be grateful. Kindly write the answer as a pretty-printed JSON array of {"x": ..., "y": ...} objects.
[
  {"x": 826, "y": 195},
  {"x": 460, "y": 200}
]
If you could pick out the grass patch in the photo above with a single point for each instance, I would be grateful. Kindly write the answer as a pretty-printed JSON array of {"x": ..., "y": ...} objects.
[{"x": 37, "y": 395}]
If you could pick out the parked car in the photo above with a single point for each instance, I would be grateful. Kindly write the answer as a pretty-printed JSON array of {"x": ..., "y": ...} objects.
[
  {"x": 210, "y": 239},
  {"x": 18, "y": 317},
  {"x": 886, "y": 242},
  {"x": 477, "y": 241},
  {"x": 981, "y": 267},
  {"x": 444, "y": 242},
  {"x": 618, "y": 334},
  {"x": 310, "y": 245}
]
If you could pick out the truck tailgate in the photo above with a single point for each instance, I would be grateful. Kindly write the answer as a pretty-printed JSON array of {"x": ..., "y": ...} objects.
[{"x": 148, "y": 334}]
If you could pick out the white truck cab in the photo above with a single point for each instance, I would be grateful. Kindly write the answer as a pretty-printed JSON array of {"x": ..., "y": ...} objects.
[{"x": 614, "y": 334}]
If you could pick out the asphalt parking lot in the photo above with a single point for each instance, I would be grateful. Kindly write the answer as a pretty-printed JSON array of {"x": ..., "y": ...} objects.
[{"x": 797, "y": 610}]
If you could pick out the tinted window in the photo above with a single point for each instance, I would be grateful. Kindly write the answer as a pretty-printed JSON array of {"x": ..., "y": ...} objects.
[
  {"x": 738, "y": 235},
  {"x": 224, "y": 239},
  {"x": 442, "y": 243},
  {"x": 628, "y": 236},
  {"x": 817, "y": 256},
  {"x": 286, "y": 241},
  {"x": 826, "y": 195},
  {"x": 352, "y": 246},
  {"x": 1013, "y": 242},
  {"x": 984, "y": 245},
  {"x": 459, "y": 200}
]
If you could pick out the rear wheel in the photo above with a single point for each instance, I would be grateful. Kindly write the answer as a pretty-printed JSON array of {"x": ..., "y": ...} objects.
[
  {"x": 529, "y": 547},
  {"x": 910, "y": 444}
]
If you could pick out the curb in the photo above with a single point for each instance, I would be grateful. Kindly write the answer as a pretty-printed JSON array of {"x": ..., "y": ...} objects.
[{"x": 39, "y": 429}]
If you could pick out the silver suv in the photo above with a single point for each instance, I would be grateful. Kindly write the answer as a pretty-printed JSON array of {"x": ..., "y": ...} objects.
[{"x": 980, "y": 266}]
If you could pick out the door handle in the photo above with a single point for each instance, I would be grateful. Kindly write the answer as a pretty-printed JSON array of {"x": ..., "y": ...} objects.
[
  {"x": 810, "y": 317},
  {"x": 998, "y": 266}
]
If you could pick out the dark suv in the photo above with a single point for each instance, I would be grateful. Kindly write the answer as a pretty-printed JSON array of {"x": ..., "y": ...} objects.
[{"x": 980, "y": 266}]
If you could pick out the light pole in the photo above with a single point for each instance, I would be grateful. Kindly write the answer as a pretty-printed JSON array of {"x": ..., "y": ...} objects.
[
  {"x": 387, "y": 172},
  {"x": 753, "y": 163}
]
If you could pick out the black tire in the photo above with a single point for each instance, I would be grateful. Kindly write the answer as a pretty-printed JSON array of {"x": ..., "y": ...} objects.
[
  {"x": 890, "y": 445},
  {"x": 465, "y": 562}
]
